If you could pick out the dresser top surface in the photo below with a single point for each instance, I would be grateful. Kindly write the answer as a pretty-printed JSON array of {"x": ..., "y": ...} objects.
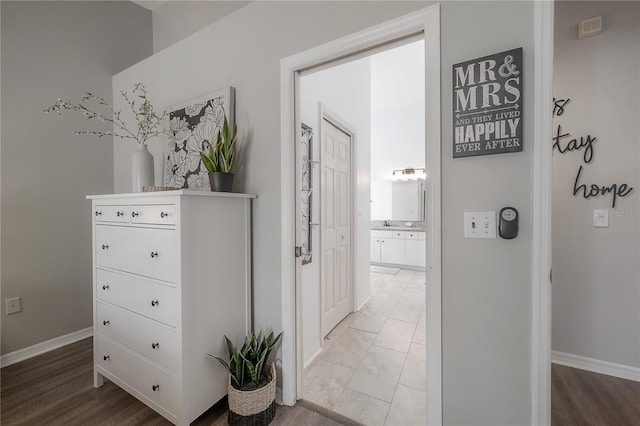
[{"x": 179, "y": 192}]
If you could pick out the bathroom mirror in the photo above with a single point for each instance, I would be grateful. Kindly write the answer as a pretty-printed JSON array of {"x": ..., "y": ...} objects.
[{"x": 401, "y": 200}]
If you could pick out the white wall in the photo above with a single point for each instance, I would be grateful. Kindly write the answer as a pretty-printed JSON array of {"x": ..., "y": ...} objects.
[
  {"x": 345, "y": 91},
  {"x": 51, "y": 50},
  {"x": 486, "y": 284},
  {"x": 397, "y": 110},
  {"x": 596, "y": 282},
  {"x": 397, "y": 120},
  {"x": 176, "y": 20}
]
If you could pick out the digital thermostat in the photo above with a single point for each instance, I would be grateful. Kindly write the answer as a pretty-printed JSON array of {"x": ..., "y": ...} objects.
[{"x": 508, "y": 227}]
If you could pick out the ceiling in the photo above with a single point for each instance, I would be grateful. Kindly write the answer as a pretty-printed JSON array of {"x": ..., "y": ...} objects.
[{"x": 150, "y": 4}]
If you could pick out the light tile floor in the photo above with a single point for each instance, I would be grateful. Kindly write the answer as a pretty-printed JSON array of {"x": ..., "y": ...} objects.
[{"x": 372, "y": 367}]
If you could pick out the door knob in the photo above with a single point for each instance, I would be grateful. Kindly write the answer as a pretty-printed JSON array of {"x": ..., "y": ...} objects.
[
  {"x": 106, "y": 357},
  {"x": 163, "y": 214},
  {"x": 154, "y": 254},
  {"x": 105, "y": 322},
  {"x": 154, "y": 303},
  {"x": 155, "y": 345}
]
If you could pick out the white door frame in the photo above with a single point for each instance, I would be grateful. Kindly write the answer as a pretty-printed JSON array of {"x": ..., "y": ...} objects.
[
  {"x": 342, "y": 125},
  {"x": 541, "y": 246},
  {"x": 426, "y": 21}
]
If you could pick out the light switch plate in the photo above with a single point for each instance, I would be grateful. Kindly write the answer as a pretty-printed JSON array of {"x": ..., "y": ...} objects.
[
  {"x": 480, "y": 224},
  {"x": 600, "y": 218}
]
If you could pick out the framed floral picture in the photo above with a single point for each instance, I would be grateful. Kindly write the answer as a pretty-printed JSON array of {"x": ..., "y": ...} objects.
[{"x": 193, "y": 127}]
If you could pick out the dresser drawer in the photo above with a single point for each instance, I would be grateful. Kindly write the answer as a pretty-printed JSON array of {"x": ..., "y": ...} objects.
[
  {"x": 145, "y": 336},
  {"x": 106, "y": 213},
  {"x": 154, "y": 214},
  {"x": 154, "y": 382},
  {"x": 148, "y": 298},
  {"x": 144, "y": 251}
]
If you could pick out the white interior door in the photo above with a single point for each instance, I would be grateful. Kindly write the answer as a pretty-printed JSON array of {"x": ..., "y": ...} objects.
[{"x": 335, "y": 225}]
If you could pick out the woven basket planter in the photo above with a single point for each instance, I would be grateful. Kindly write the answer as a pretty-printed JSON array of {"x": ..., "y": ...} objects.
[{"x": 253, "y": 408}]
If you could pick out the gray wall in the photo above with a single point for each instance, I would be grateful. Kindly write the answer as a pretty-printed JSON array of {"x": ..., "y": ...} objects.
[
  {"x": 487, "y": 283},
  {"x": 176, "y": 20},
  {"x": 596, "y": 282},
  {"x": 51, "y": 50}
]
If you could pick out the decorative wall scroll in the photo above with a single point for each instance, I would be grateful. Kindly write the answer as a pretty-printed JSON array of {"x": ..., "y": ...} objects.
[
  {"x": 193, "y": 125},
  {"x": 306, "y": 172},
  {"x": 487, "y": 105},
  {"x": 564, "y": 143}
]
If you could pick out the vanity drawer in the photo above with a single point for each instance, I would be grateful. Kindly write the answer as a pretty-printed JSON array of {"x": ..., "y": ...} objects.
[
  {"x": 153, "y": 214},
  {"x": 413, "y": 235},
  {"x": 375, "y": 233},
  {"x": 148, "y": 298},
  {"x": 145, "y": 336},
  {"x": 105, "y": 213},
  {"x": 154, "y": 382},
  {"x": 144, "y": 251},
  {"x": 398, "y": 234}
]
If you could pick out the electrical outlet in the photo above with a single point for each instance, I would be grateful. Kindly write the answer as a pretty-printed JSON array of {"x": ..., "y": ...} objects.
[
  {"x": 13, "y": 305},
  {"x": 480, "y": 224}
]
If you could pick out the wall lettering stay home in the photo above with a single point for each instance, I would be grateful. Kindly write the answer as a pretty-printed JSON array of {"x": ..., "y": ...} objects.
[{"x": 565, "y": 143}]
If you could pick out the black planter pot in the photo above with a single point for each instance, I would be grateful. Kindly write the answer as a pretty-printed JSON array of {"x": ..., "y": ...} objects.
[{"x": 220, "y": 181}]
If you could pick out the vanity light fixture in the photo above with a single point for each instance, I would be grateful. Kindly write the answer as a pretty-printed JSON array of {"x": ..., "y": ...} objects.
[{"x": 409, "y": 173}]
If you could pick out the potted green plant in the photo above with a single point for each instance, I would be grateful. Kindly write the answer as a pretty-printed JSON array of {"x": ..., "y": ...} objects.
[
  {"x": 220, "y": 158},
  {"x": 252, "y": 380}
]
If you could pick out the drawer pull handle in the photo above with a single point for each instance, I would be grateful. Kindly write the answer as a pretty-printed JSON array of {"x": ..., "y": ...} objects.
[
  {"x": 98, "y": 213},
  {"x": 154, "y": 303},
  {"x": 155, "y": 345},
  {"x": 135, "y": 214},
  {"x": 120, "y": 214},
  {"x": 105, "y": 246},
  {"x": 105, "y": 287},
  {"x": 106, "y": 357},
  {"x": 154, "y": 254},
  {"x": 163, "y": 214},
  {"x": 155, "y": 388},
  {"x": 106, "y": 322}
]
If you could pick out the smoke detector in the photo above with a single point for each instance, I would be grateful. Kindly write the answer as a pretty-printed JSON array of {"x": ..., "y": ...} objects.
[{"x": 590, "y": 27}]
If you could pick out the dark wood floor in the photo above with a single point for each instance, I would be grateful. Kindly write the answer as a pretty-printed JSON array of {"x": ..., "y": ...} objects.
[
  {"x": 57, "y": 389},
  {"x": 584, "y": 398}
]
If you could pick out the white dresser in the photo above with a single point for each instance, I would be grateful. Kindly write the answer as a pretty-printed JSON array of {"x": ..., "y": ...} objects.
[{"x": 171, "y": 276}]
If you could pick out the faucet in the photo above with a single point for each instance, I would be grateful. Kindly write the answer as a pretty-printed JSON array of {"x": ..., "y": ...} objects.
[{"x": 387, "y": 223}]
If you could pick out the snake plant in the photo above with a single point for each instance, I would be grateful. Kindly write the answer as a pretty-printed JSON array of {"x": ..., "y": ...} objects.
[
  {"x": 246, "y": 365},
  {"x": 222, "y": 153}
]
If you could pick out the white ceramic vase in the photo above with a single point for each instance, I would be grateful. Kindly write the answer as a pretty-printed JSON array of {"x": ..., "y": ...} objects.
[{"x": 142, "y": 169}]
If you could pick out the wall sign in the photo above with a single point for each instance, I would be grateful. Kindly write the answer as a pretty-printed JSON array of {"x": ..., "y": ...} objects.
[
  {"x": 565, "y": 143},
  {"x": 487, "y": 105}
]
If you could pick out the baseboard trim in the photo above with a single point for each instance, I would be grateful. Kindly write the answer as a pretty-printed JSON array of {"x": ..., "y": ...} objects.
[
  {"x": 43, "y": 347},
  {"x": 596, "y": 365},
  {"x": 312, "y": 358},
  {"x": 367, "y": 300}
]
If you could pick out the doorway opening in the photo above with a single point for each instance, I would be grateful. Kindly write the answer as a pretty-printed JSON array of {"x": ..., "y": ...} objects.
[
  {"x": 423, "y": 24},
  {"x": 363, "y": 274}
]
